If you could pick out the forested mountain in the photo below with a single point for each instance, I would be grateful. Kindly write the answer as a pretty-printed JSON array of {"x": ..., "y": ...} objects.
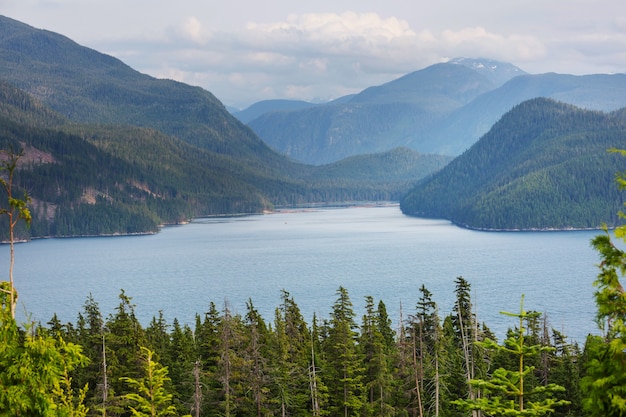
[
  {"x": 463, "y": 127},
  {"x": 90, "y": 87},
  {"x": 105, "y": 179},
  {"x": 442, "y": 109},
  {"x": 267, "y": 106},
  {"x": 543, "y": 165},
  {"x": 110, "y": 150},
  {"x": 377, "y": 119}
]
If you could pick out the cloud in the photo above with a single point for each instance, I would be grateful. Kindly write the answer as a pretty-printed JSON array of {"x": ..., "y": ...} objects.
[{"x": 326, "y": 55}]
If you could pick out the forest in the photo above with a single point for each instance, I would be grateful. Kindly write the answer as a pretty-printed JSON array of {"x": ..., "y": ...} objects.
[
  {"x": 106, "y": 179},
  {"x": 228, "y": 364},
  {"x": 243, "y": 365},
  {"x": 543, "y": 165}
]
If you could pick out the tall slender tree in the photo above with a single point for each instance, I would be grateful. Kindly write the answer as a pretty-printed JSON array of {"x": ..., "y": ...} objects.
[
  {"x": 377, "y": 354},
  {"x": 343, "y": 359},
  {"x": 292, "y": 358},
  {"x": 148, "y": 396},
  {"x": 604, "y": 384},
  {"x": 16, "y": 209}
]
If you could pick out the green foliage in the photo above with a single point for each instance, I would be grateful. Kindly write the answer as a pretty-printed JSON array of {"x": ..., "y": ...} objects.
[
  {"x": 234, "y": 365},
  {"x": 34, "y": 372},
  {"x": 344, "y": 363},
  {"x": 106, "y": 179},
  {"x": 605, "y": 382},
  {"x": 505, "y": 393},
  {"x": 543, "y": 165},
  {"x": 149, "y": 397}
]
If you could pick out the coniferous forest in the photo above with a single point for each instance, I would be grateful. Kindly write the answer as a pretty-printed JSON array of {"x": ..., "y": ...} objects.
[
  {"x": 247, "y": 365},
  {"x": 227, "y": 364}
]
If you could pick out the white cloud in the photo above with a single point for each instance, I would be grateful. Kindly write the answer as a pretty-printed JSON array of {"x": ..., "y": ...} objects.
[
  {"x": 193, "y": 30},
  {"x": 329, "y": 54},
  {"x": 325, "y": 54}
]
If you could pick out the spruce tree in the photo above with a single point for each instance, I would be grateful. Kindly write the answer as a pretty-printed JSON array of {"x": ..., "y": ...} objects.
[
  {"x": 377, "y": 354},
  {"x": 148, "y": 396},
  {"x": 505, "y": 392},
  {"x": 256, "y": 372},
  {"x": 604, "y": 385},
  {"x": 124, "y": 338},
  {"x": 343, "y": 360},
  {"x": 291, "y": 359}
]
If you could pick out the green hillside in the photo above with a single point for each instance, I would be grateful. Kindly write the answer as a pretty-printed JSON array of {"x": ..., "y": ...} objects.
[
  {"x": 107, "y": 179},
  {"x": 543, "y": 165}
]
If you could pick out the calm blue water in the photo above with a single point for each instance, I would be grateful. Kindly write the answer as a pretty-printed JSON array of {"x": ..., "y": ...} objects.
[{"x": 373, "y": 251}]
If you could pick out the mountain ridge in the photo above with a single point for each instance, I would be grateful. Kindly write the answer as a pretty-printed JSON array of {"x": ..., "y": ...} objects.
[
  {"x": 543, "y": 165},
  {"x": 429, "y": 121}
]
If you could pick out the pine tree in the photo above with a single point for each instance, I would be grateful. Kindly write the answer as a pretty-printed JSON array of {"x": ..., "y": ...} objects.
[
  {"x": 377, "y": 354},
  {"x": 256, "y": 372},
  {"x": 209, "y": 341},
  {"x": 605, "y": 382},
  {"x": 565, "y": 370},
  {"x": 505, "y": 393},
  {"x": 123, "y": 341},
  {"x": 180, "y": 360},
  {"x": 428, "y": 334},
  {"x": 149, "y": 397},
  {"x": 291, "y": 359},
  {"x": 343, "y": 360}
]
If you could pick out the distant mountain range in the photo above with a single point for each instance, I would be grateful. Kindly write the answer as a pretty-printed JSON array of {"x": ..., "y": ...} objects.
[
  {"x": 441, "y": 109},
  {"x": 109, "y": 150}
]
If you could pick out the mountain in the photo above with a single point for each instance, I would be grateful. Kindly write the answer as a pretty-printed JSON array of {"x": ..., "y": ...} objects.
[
  {"x": 377, "y": 119},
  {"x": 497, "y": 72},
  {"x": 90, "y": 87},
  {"x": 107, "y": 179},
  {"x": 544, "y": 164},
  {"x": 441, "y": 109},
  {"x": 267, "y": 106},
  {"x": 109, "y": 150},
  {"x": 463, "y": 127}
]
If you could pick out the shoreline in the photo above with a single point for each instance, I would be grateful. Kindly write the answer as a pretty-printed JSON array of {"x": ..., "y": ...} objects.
[{"x": 316, "y": 206}]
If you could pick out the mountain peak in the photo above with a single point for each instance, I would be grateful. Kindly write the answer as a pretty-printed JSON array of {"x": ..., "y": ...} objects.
[{"x": 496, "y": 71}]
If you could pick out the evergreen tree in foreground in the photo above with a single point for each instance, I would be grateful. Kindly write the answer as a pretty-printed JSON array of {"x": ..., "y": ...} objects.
[
  {"x": 604, "y": 385},
  {"x": 505, "y": 394},
  {"x": 149, "y": 397}
]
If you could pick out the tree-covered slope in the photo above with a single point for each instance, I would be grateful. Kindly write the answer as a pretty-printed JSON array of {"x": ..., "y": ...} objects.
[
  {"x": 463, "y": 127},
  {"x": 442, "y": 109},
  {"x": 266, "y": 106},
  {"x": 377, "y": 119},
  {"x": 543, "y": 165},
  {"x": 87, "y": 86},
  {"x": 106, "y": 179}
]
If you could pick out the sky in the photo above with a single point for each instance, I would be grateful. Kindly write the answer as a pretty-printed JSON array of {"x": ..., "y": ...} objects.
[{"x": 244, "y": 51}]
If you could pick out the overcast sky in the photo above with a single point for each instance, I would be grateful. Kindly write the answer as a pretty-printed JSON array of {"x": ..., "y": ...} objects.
[{"x": 244, "y": 51}]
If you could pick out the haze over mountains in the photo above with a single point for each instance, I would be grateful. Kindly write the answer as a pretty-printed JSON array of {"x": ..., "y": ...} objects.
[
  {"x": 110, "y": 150},
  {"x": 441, "y": 109}
]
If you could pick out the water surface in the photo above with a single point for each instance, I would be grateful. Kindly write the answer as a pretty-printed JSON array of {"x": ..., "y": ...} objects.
[{"x": 373, "y": 251}]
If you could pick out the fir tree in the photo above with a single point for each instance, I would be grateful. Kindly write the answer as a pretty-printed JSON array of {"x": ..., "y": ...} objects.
[
  {"x": 149, "y": 397},
  {"x": 343, "y": 359},
  {"x": 505, "y": 393}
]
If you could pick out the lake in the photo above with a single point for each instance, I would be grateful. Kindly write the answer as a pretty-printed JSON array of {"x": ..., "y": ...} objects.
[{"x": 373, "y": 251}]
